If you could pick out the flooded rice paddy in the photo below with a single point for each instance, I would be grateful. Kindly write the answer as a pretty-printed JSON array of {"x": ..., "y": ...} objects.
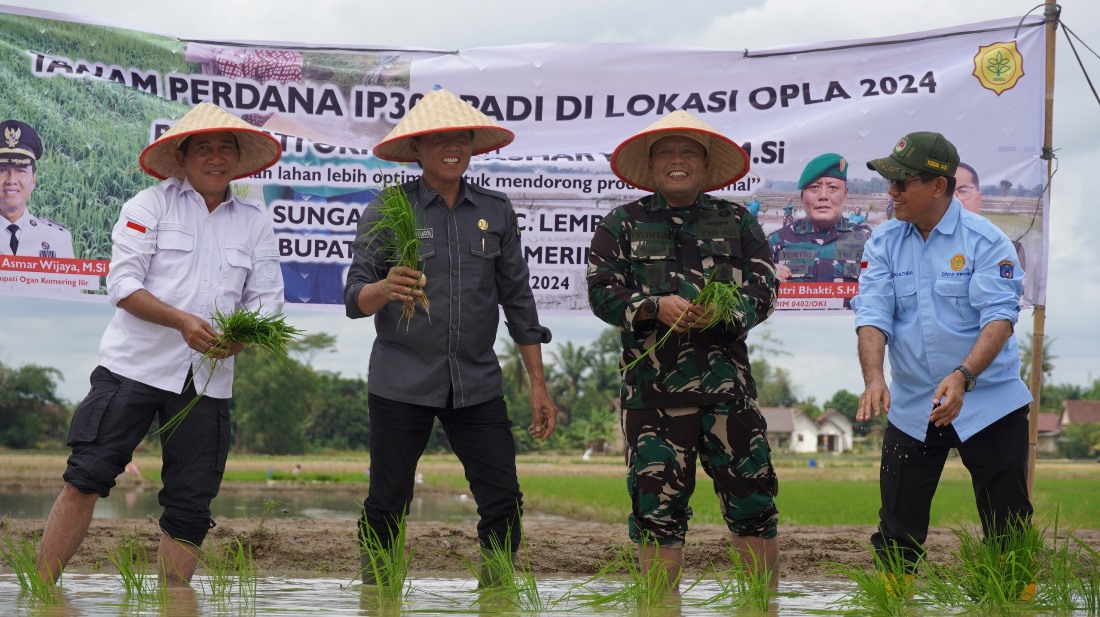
[{"x": 95, "y": 594}]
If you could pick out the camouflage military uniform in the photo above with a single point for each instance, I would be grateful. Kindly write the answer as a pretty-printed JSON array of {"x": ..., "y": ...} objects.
[
  {"x": 693, "y": 397},
  {"x": 820, "y": 256}
]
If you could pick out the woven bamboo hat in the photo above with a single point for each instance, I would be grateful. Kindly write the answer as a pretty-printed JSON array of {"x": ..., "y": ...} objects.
[
  {"x": 728, "y": 162},
  {"x": 441, "y": 110},
  {"x": 258, "y": 150}
]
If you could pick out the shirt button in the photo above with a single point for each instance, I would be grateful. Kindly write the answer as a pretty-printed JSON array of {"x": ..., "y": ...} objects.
[
  {"x": 454, "y": 326},
  {"x": 454, "y": 298},
  {"x": 454, "y": 272}
]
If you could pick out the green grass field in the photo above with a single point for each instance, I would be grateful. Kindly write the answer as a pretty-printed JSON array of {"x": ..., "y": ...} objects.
[
  {"x": 844, "y": 493},
  {"x": 839, "y": 491}
]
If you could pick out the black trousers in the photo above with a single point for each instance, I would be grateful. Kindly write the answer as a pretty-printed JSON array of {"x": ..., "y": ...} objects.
[
  {"x": 996, "y": 458},
  {"x": 480, "y": 435},
  {"x": 113, "y": 419}
]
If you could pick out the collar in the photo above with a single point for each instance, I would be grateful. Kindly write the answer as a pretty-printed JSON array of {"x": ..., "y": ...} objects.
[
  {"x": 803, "y": 226},
  {"x": 657, "y": 202},
  {"x": 430, "y": 194},
  {"x": 948, "y": 222},
  {"x": 23, "y": 221},
  {"x": 184, "y": 186}
]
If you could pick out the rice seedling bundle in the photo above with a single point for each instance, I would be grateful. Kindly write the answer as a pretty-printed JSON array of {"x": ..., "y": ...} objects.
[
  {"x": 396, "y": 231},
  {"x": 722, "y": 301},
  {"x": 250, "y": 328}
]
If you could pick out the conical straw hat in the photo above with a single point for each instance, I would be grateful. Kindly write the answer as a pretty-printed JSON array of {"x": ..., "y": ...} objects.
[
  {"x": 728, "y": 162},
  {"x": 441, "y": 110},
  {"x": 258, "y": 150}
]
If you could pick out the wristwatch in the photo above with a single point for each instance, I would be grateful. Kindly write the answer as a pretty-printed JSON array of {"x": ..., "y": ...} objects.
[
  {"x": 971, "y": 381},
  {"x": 649, "y": 307}
]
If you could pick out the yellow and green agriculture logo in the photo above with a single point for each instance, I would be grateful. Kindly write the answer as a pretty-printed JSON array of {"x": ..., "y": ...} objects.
[
  {"x": 999, "y": 66},
  {"x": 958, "y": 262}
]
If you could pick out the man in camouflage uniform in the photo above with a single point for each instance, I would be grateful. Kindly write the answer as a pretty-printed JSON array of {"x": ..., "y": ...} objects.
[
  {"x": 823, "y": 246},
  {"x": 694, "y": 397}
]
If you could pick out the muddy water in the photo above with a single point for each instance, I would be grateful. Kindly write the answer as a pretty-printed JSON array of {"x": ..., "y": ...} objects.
[{"x": 92, "y": 595}]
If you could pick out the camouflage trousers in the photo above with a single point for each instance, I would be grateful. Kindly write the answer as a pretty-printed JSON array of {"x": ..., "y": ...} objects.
[{"x": 729, "y": 440}]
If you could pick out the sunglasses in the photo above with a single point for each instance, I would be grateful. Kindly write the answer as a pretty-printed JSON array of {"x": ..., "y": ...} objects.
[{"x": 901, "y": 185}]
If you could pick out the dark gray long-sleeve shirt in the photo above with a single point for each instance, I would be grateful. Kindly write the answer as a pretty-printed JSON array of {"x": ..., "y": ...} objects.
[{"x": 473, "y": 262}]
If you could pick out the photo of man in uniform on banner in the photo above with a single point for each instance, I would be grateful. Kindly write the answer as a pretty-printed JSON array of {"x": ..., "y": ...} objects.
[{"x": 25, "y": 234}]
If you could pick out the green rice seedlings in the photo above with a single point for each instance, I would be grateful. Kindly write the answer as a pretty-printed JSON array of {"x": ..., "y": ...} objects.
[
  {"x": 231, "y": 568},
  {"x": 131, "y": 559},
  {"x": 888, "y": 589},
  {"x": 997, "y": 573},
  {"x": 396, "y": 231},
  {"x": 640, "y": 589},
  {"x": 502, "y": 581},
  {"x": 743, "y": 584},
  {"x": 1059, "y": 570},
  {"x": 252, "y": 329},
  {"x": 269, "y": 506},
  {"x": 1088, "y": 590},
  {"x": 385, "y": 569},
  {"x": 22, "y": 557},
  {"x": 722, "y": 301}
]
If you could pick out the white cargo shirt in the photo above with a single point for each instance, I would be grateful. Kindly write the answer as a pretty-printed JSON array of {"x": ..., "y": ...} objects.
[{"x": 167, "y": 243}]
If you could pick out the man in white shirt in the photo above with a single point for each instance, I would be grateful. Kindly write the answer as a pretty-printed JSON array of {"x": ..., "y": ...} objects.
[{"x": 180, "y": 251}]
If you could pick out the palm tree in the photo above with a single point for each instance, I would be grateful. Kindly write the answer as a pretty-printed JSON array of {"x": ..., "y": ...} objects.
[
  {"x": 1025, "y": 358},
  {"x": 571, "y": 363},
  {"x": 511, "y": 363}
]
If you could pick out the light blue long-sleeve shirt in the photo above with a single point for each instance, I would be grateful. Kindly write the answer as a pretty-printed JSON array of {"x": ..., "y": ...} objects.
[{"x": 932, "y": 298}]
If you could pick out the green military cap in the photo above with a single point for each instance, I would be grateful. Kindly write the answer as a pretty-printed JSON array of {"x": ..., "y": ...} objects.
[
  {"x": 916, "y": 153},
  {"x": 829, "y": 165},
  {"x": 19, "y": 143}
]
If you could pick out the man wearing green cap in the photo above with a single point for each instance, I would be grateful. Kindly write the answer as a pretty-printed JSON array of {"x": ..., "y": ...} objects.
[
  {"x": 823, "y": 245},
  {"x": 941, "y": 289},
  {"x": 23, "y": 233}
]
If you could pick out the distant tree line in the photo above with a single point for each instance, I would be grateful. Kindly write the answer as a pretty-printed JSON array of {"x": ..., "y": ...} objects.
[{"x": 288, "y": 407}]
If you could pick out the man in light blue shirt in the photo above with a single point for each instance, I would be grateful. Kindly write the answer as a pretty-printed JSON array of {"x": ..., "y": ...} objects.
[{"x": 941, "y": 287}]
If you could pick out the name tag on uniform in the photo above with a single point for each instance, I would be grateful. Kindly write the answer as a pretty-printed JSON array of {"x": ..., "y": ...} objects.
[{"x": 788, "y": 255}]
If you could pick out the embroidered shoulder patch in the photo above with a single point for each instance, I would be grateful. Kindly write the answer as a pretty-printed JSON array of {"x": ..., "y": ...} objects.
[{"x": 1007, "y": 269}]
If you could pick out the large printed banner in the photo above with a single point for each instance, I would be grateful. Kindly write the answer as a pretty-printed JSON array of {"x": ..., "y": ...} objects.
[{"x": 96, "y": 95}]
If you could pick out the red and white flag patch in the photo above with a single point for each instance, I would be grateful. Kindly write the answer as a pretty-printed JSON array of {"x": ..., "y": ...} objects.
[{"x": 138, "y": 227}]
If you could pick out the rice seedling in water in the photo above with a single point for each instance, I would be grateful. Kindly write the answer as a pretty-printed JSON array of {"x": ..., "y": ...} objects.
[
  {"x": 888, "y": 589},
  {"x": 22, "y": 557},
  {"x": 640, "y": 589},
  {"x": 396, "y": 232},
  {"x": 504, "y": 581},
  {"x": 722, "y": 301},
  {"x": 230, "y": 568},
  {"x": 743, "y": 584},
  {"x": 131, "y": 559},
  {"x": 385, "y": 568},
  {"x": 1088, "y": 561},
  {"x": 994, "y": 573},
  {"x": 252, "y": 329}
]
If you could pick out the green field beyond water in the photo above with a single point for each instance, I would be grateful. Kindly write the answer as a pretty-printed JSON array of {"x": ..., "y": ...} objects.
[{"x": 843, "y": 493}]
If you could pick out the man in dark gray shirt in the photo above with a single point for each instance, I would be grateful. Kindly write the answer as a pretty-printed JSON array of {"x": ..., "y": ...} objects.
[{"x": 443, "y": 365}]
